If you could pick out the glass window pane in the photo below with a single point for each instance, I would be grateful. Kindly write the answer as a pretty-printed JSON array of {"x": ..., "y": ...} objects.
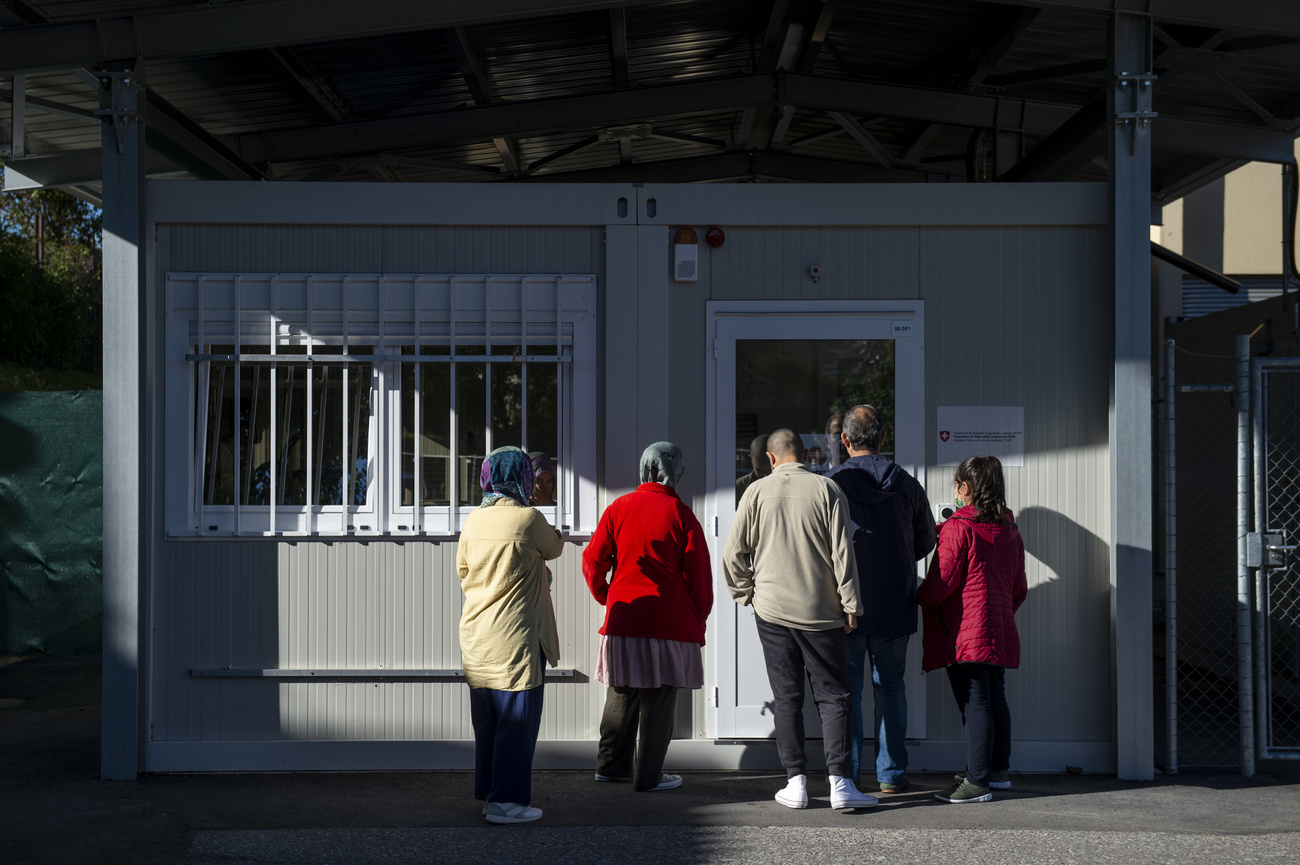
[
  {"x": 507, "y": 400},
  {"x": 255, "y": 429},
  {"x": 332, "y": 484},
  {"x": 435, "y": 426},
  {"x": 543, "y": 426},
  {"x": 219, "y": 444},
  {"x": 471, "y": 426},
  {"x": 291, "y": 437},
  {"x": 807, "y": 385}
]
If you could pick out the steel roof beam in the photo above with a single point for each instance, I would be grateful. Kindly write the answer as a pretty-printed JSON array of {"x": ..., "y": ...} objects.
[
  {"x": 1256, "y": 16},
  {"x": 585, "y": 112},
  {"x": 74, "y": 168},
  {"x": 739, "y": 165},
  {"x": 51, "y": 107},
  {"x": 207, "y": 155},
  {"x": 975, "y": 72},
  {"x": 216, "y": 29},
  {"x": 323, "y": 102},
  {"x": 480, "y": 88},
  {"x": 1046, "y": 73}
]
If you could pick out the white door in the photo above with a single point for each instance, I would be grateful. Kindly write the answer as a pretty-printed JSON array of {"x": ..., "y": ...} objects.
[{"x": 778, "y": 364}]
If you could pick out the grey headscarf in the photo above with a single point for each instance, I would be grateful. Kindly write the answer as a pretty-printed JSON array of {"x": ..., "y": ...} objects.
[{"x": 661, "y": 463}]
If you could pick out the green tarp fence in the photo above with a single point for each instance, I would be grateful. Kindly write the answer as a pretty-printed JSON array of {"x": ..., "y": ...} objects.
[{"x": 51, "y": 522}]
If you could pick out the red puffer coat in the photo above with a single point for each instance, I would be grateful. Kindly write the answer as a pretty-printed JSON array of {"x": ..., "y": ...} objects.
[{"x": 970, "y": 596}]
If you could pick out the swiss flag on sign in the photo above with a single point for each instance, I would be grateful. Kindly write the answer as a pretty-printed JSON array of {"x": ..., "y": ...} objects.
[{"x": 944, "y": 435}]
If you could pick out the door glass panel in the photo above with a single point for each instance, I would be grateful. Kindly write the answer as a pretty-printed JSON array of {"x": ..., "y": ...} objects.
[{"x": 807, "y": 385}]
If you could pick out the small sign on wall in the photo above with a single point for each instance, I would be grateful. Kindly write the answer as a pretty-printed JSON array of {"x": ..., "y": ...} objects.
[{"x": 980, "y": 430}]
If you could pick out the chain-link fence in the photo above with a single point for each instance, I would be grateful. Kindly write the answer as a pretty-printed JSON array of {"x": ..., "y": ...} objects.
[
  {"x": 1280, "y": 411},
  {"x": 1200, "y": 560}
]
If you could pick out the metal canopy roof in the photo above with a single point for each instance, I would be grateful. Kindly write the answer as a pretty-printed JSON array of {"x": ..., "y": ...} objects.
[{"x": 680, "y": 91}]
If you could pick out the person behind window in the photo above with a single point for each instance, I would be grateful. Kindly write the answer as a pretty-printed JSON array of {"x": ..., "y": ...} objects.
[
  {"x": 543, "y": 479},
  {"x": 656, "y": 604},
  {"x": 507, "y": 630},
  {"x": 970, "y": 596},
  {"x": 759, "y": 466}
]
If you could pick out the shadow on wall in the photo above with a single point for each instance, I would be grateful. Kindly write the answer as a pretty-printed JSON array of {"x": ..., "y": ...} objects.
[{"x": 1068, "y": 619}]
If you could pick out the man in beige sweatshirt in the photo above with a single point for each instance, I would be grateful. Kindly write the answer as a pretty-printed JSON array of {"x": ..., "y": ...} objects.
[{"x": 789, "y": 555}]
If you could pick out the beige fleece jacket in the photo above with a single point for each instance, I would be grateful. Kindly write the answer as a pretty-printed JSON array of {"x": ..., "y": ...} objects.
[
  {"x": 507, "y": 626},
  {"x": 789, "y": 552}
]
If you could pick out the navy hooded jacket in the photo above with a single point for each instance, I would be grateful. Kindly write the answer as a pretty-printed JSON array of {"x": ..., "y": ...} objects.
[{"x": 892, "y": 530}]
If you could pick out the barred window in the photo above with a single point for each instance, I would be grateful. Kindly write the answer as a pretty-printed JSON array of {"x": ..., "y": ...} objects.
[{"x": 366, "y": 404}]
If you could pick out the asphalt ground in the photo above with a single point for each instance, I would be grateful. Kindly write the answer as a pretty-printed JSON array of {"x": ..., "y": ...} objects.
[{"x": 54, "y": 809}]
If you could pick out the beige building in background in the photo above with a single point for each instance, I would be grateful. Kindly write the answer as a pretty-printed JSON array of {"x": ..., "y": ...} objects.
[{"x": 1233, "y": 225}]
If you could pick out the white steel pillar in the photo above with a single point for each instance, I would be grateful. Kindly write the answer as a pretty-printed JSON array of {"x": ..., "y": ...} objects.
[
  {"x": 1131, "y": 485},
  {"x": 125, "y": 310}
]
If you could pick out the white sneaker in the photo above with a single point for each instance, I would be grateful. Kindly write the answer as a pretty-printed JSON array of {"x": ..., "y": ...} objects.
[
  {"x": 667, "y": 782},
  {"x": 845, "y": 795},
  {"x": 510, "y": 812},
  {"x": 795, "y": 792}
]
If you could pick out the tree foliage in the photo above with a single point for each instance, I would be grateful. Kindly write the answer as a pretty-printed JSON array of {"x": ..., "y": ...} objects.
[{"x": 50, "y": 281}]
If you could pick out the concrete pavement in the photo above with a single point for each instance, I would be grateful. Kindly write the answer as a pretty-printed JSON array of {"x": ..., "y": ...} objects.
[{"x": 53, "y": 809}]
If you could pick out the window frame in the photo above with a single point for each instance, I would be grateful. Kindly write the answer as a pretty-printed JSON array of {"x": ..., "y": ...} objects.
[{"x": 383, "y": 312}]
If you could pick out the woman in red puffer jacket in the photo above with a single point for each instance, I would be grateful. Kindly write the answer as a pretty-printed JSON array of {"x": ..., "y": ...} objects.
[{"x": 970, "y": 596}]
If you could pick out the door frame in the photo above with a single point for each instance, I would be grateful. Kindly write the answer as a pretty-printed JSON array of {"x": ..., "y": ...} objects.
[{"x": 908, "y": 331}]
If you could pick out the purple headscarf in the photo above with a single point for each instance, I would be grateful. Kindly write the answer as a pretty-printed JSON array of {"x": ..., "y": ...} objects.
[{"x": 506, "y": 473}]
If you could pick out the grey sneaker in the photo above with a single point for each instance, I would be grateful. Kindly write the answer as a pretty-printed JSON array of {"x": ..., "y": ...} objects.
[
  {"x": 964, "y": 793},
  {"x": 997, "y": 780}
]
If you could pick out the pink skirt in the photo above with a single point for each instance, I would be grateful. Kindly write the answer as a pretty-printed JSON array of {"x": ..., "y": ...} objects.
[{"x": 648, "y": 662}]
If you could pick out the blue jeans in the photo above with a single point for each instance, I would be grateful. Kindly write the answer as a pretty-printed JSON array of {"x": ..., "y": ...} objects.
[{"x": 888, "y": 656}]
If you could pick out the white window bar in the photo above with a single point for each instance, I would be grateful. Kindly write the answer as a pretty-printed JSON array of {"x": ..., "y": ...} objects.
[
  {"x": 417, "y": 422},
  {"x": 311, "y": 409},
  {"x": 488, "y": 443},
  {"x": 200, "y": 444},
  {"x": 523, "y": 367},
  {"x": 453, "y": 485},
  {"x": 235, "y": 419},
  {"x": 348, "y": 524},
  {"x": 272, "y": 502},
  {"x": 564, "y": 511}
]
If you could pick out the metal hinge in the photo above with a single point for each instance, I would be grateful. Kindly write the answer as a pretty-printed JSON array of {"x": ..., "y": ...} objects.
[
  {"x": 715, "y": 697},
  {"x": 715, "y": 527}
]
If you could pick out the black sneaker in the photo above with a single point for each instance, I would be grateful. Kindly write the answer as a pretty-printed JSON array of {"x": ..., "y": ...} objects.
[
  {"x": 964, "y": 793},
  {"x": 997, "y": 780}
]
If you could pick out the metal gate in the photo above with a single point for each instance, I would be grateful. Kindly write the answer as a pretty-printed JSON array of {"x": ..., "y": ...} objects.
[
  {"x": 1275, "y": 385},
  {"x": 1231, "y": 671}
]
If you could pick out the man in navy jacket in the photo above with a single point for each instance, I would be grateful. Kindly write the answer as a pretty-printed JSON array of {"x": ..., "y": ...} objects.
[{"x": 892, "y": 530}]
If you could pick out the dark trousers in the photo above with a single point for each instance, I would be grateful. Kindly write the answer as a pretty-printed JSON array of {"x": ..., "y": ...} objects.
[
  {"x": 821, "y": 657},
  {"x": 652, "y": 712},
  {"x": 981, "y": 695},
  {"x": 506, "y": 724}
]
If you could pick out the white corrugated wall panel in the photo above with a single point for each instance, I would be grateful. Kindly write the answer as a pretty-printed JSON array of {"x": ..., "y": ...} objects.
[
  {"x": 1018, "y": 316},
  {"x": 379, "y": 605}
]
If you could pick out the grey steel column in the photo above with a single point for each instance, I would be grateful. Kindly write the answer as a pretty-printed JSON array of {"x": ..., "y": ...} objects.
[
  {"x": 1245, "y": 683},
  {"x": 122, "y": 104},
  {"x": 1131, "y": 444},
  {"x": 1171, "y": 567}
]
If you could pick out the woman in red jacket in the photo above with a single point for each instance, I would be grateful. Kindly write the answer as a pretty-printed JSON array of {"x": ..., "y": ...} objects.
[
  {"x": 656, "y": 603},
  {"x": 975, "y": 585}
]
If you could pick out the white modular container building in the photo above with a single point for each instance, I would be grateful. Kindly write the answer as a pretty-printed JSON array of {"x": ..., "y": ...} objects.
[{"x": 350, "y": 352}]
